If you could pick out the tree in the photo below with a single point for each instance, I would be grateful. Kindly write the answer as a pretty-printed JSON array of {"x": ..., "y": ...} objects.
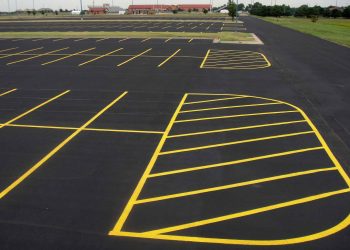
[
  {"x": 56, "y": 12},
  {"x": 205, "y": 11},
  {"x": 336, "y": 13},
  {"x": 240, "y": 6},
  {"x": 232, "y": 9},
  {"x": 346, "y": 12},
  {"x": 174, "y": 11}
]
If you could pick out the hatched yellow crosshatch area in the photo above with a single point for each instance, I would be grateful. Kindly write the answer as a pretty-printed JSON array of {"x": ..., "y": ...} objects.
[
  {"x": 225, "y": 158},
  {"x": 234, "y": 60}
]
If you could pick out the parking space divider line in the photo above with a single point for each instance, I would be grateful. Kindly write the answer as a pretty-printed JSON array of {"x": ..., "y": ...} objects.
[
  {"x": 33, "y": 109},
  {"x": 171, "y": 56},
  {"x": 81, "y": 39},
  {"x": 65, "y": 57},
  {"x": 216, "y": 100},
  {"x": 231, "y": 107},
  {"x": 134, "y": 57},
  {"x": 117, "y": 228},
  {"x": 20, "y": 39},
  {"x": 100, "y": 40},
  {"x": 92, "y": 60},
  {"x": 235, "y": 142},
  {"x": 144, "y": 40},
  {"x": 40, "y": 55},
  {"x": 205, "y": 58},
  {"x": 167, "y": 40},
  {"x": 229, "y": 163},
  {"x": 40, "y": 39},
  {"x": 246, "y": 213},
  {"x": 236, "y": 128},
  {"x": 234, "y": 185},
  {"x": 4, "y": 50},
  {"x": 235, "y": 116},
  {"x": 57, "y": 148},
  {"x": 60, "y": 39},
  {"x": 123, "y": 39},
  {"x": 19, "y": 53},
  {"x": 189, "y": 41},
  {"x": 7, "y": 92}
]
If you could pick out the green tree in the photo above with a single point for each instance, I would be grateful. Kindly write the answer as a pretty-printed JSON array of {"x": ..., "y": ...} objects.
[
  {"x": 205, "y": 11},
  {"x": 232, "y": 9},
  {"x": 240, "y": 6},
  {"x": 346, "y": 12},
  {"x": 336, "y": 13}
]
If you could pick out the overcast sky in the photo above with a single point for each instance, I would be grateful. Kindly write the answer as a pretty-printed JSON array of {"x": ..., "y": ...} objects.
[{"x": 75, "y": 4}]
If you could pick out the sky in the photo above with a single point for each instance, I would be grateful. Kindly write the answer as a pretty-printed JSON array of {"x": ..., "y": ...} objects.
[{"x": 75, "y": 4}]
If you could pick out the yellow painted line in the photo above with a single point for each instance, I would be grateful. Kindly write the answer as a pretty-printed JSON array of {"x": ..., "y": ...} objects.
[
  {"x": 190, "y": 40},
  {"x": 180, "y": 27},
  {"x": 236, "y": 128},
  {"x": 99, "y": 40},
  {"x": 7, "y": 92},
  {"x": 4, "y": 50},
  {"x": 235, "y": 142},
  {"x": 236, "y": 63},
  {"x": 86, "y": 129},
  {"x": 234, "y": 185},
  {"x": 231, "y": 107},
  {"x": 144, "y": 40},
  {"x": 247, "y": 213},
  {"x": 228, "y": 163},
  {"x": 205, "y": 58},
  {"x": 19, "y": 53},
  {"x": 268, "y": 62},
  {"x": 235, "y": 116},
  {"x": 242, "y": 68},
  {"x": 194, "y": 27},
  {"x": 16, "y": 40},
  {"x": 40, "y": 55},
  {"x": 60, "y": 39},
  {"x": 142, "y": 181},
  {"x": 33, "y": 109},
  {"x": 40, "y": 39},
  {"x": 123, "y": 39},
  {"x": 165, "y": 27},
  {"x": 79, "y": 39},
  {"x": 167, "y": 40},
  {"x": 134, "y": 57},
  {"x": 65, "y": 57},
  {"x": 161, "y": 64},
  {"x": 92, "y": 60},
  {"x": 57, "y": 148},
  {"x": 216, "y": 100}
]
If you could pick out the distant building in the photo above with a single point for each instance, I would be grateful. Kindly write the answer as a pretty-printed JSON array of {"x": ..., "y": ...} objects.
[
  {"x": 163, "y": 8},
  {"x": 104, "y": 9}
]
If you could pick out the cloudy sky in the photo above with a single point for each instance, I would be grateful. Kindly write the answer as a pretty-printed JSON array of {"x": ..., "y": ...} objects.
[{"x": 75, "y": 4}]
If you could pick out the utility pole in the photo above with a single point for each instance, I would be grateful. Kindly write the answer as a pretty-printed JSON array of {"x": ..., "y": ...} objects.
[
  {"x": 8, "y": 5},
  {"x": 81, "y": 10},
  {"x": 33, "y": 5},
  {"x": 237, "y": 12}
]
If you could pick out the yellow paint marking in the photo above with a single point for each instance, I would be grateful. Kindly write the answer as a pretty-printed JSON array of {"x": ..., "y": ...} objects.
[
  {"x": 190, "y": 40},
  {"x": 92, "y": 60},
  {"x": 231, "y": 107},
  {"x": 40, "y": 39},
  {"x": 79, "y": 39},
  {"x": 234, "y": 185},
  {"x": 161, "y": 64},
  {"x": 4, "y": 50},
  {"x": 7, "y": 92},
  {"x": 205, "y": 58},
  {"x": 144, "y": 40},
  {"x": 247, "y": 213},
  {"x": 235, "y": 116},
  {"x": 236, "y": 128},
  {"x": 235, "y": 64},
  {"x": 33, "y": 109},
  {"x": 167, "y": 40},
  {"x": 65, "y": 57},
  {"x": 235, "y": 142},
  {"x": 99, "y": 40},
  {"x": 19, "y": 53},
  {"x": 180, "y": 27},
  {"x": 57, "y": 148},
  {"x": 229, "y": 163},
  {"x": 216, "y": 100},
  {"x": 86, "y": 129},
  {"x": 194, "y": 27},
  {"x": 16, "y": 40},
  {"x": 40, "y": 55},
  {"x": 134, "y": 57},
  {"x": 142, "y": 181},
  {"x": 123, "y": 39},
  {"x": 60, "y": 39}
]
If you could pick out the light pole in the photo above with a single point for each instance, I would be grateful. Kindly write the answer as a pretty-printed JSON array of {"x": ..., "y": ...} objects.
[
  {"x": 237, "y": 12},
  {"x": 8, "y": 6},
  {"x": 33, "y": 5},
  {"x": 81, "y": 10}
]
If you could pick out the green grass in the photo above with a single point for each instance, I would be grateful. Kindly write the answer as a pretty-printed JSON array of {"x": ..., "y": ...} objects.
[
  {"x": 334, "y": 30},
  {"x": 224, "y": 36}
]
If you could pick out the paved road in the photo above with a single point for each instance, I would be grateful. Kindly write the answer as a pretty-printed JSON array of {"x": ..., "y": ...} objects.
[{"x": 79, "y": 193}]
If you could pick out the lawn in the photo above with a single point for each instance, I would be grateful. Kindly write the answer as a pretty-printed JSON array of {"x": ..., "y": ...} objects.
[{"x": 334, "y": 30}]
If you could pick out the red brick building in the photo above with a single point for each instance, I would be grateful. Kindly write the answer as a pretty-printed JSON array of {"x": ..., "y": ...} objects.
[{"x": 154, "y": 8}]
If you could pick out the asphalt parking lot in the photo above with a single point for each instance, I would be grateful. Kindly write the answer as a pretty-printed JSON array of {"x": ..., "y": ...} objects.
[{"x": 174, "y": 143}]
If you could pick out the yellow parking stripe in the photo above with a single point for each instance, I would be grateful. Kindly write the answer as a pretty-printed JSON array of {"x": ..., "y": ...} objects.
[
  {"x": 205, "y": 59},
  {"x": 19, "y": 53},
  {"x": 228, "y": 163},
  {"x": 144, "y": 40},
  {"x": 33, "y": 109},
  {"x": 81, "y": 39},
  {"x": 134, "y": 57},
  {"x": 231, "y": 107},
  {"x": 16, "y": 40},
  {"x": 235, "y": 142},
  {"x": 123, "y": 39},
  {"x": 246, "y": 213},
  {"x": 65, "y": 57},
  {"x": 234, "y": 185},
  {"x": 189, "y": 41},
  {"x": 99, "y": 40},
  {"x": 216, "y": 100},
  {"x": 40, "y": 55},
  {"x": 234, "y": 116},
  {"x": 4, "y": 50},
  {"x": 92, "y": 60},
  {"x": 60, "y": 39},
  {"x": 167, "y": 40},
  {"x": 236, "y": 128},
  {"x": 57, "y": 148},
  {"x": 40, "y": 39},
  {"x": 171, "y": 56},
  {"x": 7, "y": 92}
]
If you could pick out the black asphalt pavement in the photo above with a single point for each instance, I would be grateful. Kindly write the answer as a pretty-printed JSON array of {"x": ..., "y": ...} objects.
[{"x": 175, "y": 143}]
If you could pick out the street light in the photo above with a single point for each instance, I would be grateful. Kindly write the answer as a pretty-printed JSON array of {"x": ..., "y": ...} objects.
[{"x": 81, "y": 10}]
